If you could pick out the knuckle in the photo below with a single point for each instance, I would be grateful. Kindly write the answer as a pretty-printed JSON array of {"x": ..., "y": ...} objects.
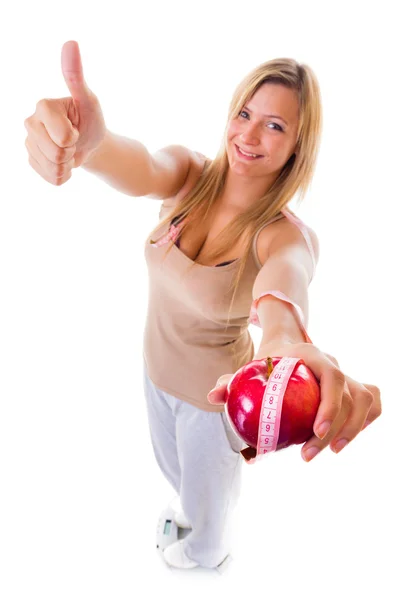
[
  {"x": 375, "y": 395},
  {"x": 67, "y": 175},
  {"x": 375, "y": 391},
  {"x": 65, "y": 179},
  {"x": 61, "y": 155},
  {"x": 59, "y": 170},
  {"x": 332, "y": 358},
  {"x": 65, "y": 139},
  {"x": 378, "y": 411},
  {"x": 43, "y": 103},
  {"x": 68, "y": 139},
  {"x": 57, "y": 181},
  {"x": 368, "y": 398},
  {"x": 339, "y": 376}
]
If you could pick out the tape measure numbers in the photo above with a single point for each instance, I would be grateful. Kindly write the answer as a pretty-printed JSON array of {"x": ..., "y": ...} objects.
[{"x": 271, "y": 408}]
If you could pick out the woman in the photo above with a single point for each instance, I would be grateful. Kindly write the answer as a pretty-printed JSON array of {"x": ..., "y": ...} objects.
[{"x": 226, "y": 252}]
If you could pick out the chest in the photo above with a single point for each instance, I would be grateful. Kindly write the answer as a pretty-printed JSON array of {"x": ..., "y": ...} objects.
[{"x": 196, "y": 239}]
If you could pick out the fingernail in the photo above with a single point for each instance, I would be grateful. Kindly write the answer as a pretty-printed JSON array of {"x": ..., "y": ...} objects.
[
  {"x": 340, "y": 445},
  {"x": 323, "y": 429},
  {"x": 310, "y": 453},
  {"x": 366, "y": 424}
]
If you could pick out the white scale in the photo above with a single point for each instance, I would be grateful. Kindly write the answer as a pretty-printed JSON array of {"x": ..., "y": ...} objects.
[{"x": 168, "y": 532}]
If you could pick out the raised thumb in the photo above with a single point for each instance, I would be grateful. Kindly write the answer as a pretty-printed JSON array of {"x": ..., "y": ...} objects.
[{"x": 72, "y": 69}]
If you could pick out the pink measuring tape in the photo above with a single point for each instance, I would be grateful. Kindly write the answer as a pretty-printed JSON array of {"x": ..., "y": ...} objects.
[{"x": 271, "y": 409}]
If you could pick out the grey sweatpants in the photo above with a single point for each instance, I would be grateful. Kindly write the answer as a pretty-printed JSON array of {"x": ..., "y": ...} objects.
[{"x": 199, "y": 455}]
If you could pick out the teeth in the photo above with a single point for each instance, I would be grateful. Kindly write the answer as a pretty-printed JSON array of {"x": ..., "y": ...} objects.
[{"x": 246, "y": 153}]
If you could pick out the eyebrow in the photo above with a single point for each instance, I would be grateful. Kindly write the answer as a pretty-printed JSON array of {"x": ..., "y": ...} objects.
[{"x": 273, "y": 116}]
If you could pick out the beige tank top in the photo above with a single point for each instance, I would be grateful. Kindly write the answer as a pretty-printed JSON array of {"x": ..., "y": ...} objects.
[{"x": 186, "y": 348}]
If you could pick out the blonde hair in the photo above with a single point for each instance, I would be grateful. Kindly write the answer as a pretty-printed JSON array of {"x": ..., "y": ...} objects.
[{"x": 295, "y": 176}]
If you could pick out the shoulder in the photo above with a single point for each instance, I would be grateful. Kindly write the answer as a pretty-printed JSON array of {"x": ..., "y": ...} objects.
[
  {"x": 197, "y": 162},
  {"x": 282, "y": 235}
]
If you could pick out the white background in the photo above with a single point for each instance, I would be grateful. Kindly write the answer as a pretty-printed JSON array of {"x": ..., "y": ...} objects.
[{"x": 80, "y": 489}]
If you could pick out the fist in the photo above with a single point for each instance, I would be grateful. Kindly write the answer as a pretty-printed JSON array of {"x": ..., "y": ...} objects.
[{"x": 64, "y": 132}]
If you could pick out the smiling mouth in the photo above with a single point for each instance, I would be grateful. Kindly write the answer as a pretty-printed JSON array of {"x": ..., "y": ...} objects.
[{"x": 240, "y": 153}]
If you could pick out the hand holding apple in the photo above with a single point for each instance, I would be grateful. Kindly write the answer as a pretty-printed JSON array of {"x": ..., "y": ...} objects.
[
  {"x": 346, "y": 406},
  {"x": 244, "y": 399}
]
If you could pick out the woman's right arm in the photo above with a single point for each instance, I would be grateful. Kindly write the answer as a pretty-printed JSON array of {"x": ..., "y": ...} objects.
[
  {"x": 127, "y": 165},
  {"x": 67, "y": 133}
]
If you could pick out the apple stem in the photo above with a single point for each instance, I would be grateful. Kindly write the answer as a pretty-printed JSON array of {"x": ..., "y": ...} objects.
[{"x": 270, "y": 366}]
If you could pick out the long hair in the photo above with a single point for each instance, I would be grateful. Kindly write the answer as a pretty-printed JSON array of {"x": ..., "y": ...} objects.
[{"x": 295, "y": 176}]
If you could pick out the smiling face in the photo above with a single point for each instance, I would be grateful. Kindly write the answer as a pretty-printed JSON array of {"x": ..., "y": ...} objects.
[{"x": 255, "y": 130}]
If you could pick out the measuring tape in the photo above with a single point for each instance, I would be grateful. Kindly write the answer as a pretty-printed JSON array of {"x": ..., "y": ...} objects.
[{"x": 271, "y": 409}]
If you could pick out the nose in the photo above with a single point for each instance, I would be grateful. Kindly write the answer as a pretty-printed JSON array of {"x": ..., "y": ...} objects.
[{"x": 250, "y": 134}]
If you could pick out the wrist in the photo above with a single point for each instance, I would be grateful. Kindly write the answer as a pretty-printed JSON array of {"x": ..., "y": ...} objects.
[
  {"x": 92, "y": 160},
  {"x": 275, "y": 347}
]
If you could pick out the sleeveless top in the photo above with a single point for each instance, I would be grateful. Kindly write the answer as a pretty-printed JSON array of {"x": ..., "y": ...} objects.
[{"x": 186, "y": 348}]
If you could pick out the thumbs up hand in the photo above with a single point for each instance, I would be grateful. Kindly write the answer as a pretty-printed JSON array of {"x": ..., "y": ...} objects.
[
  {"x": 84, "y": 111},
  {"x": 64, "y": 132}
]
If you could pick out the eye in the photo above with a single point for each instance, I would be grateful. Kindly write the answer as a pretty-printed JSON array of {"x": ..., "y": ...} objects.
[
  {"x": 276, "y": 125},
  {"x": 272, "y": 123}
]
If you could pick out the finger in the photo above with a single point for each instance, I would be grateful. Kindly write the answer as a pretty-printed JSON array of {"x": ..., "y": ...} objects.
[
  {"x": 54, "y": 171},
  {"x": 362, "y": 402},
  {"x": 331, "y": 381},
  {"x": 56, "y": 123},
  {"x": 333, "y": 359},
  {"x": 215, "y": 398},
  {"x": 71, "y": 64},
  {"x": 332, "y": 384},
  {"x": 314, "y": 445},
  {"x": 59, "y": 167},
  {"x": 376, "y": 409},
  {"x": 218, "y": 394},
  {"x": 39, "y": 137},
  {"x": 54, "y": 181}
]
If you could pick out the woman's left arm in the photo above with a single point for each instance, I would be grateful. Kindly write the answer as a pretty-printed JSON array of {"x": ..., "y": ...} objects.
[{"x": 280, "y": 307}]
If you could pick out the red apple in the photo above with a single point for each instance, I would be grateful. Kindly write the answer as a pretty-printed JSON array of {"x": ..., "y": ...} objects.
[{"x": 244, "y": 396}]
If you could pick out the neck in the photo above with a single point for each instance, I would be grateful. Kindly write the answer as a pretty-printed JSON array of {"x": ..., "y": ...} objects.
[{"x": 240, "y": 191}]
